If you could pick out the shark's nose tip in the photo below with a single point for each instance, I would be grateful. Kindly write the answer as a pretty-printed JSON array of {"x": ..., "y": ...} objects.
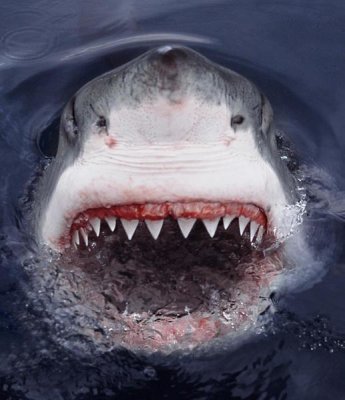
[{"x": 169, "y": 56}]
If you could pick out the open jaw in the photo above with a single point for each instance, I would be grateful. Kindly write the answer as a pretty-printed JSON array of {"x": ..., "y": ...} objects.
[
  {"x": 171, "y": 276},
  {"x": 173, "y": 254}
]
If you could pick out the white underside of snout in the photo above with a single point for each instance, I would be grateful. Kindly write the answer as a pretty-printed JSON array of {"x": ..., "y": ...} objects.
[{"x": 136, "y": 174}]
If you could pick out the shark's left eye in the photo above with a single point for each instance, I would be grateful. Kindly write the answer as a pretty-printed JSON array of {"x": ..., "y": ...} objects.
[
  {"x": 237, "y": 120},
  {"x": 101, "y": 122}
]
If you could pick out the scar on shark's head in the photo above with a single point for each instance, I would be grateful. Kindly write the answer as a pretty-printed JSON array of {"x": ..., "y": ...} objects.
[{"x": 170, "y": 162}]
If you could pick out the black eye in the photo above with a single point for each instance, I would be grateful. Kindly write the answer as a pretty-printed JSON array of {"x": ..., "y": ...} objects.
[
  {"x": 237, "y": 120},
  {"x": 101, "y": 123}
]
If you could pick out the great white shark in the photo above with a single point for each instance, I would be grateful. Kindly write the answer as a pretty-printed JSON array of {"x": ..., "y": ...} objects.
[{"x": 170, "y": 163}]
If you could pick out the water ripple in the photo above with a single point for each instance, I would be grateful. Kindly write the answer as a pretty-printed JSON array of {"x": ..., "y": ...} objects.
[
  {"x": 135, "y": 40},
  {"x": 27, "y": 43}
]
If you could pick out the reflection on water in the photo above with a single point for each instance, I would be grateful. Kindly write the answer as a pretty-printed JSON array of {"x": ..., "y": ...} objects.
[{"x": 294, "y": 52}]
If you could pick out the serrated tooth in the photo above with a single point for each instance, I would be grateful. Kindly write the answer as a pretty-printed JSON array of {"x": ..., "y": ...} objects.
[
  {"x": 253, "y": 228},
  {"x": 85, "y": 236},
  {"x": 186, "y": 225},
  {"x": 129, "y": 225},
  {"x": 227, "y": 219},
  {"x": 260, "y": 235},
  {"x": 75, "y": 239},
  {"x": 211, "y": 225},
  {"x": 154, "y": 227},
  {"x": 242, "y": 223},
  {"x": 96, "y": 225},
  {"x": 111, "y": 221}
]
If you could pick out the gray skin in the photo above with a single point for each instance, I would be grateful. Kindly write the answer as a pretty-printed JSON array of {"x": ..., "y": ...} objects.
[{"x": 165, "y": 71}]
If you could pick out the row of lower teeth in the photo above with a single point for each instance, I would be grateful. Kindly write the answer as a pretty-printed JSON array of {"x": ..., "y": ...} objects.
[{"x": 155, "y": 226}]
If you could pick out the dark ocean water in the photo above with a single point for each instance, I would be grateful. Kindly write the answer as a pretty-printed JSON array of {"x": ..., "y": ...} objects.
[{"x": 295, "y": 52}]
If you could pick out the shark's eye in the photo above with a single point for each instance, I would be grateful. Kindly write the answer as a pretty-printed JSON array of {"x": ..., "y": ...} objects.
[
  {"x": 101, "y": 122},
  {"x": 237, "y": 120}
]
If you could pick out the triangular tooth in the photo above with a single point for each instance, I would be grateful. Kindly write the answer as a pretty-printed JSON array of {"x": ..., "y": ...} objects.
[
  {"x": 85, "y": 236},
  {"x": 111, "y": 221},
  {"x": 260, "y": 235},
  {"x": 211, "y": 225},
  {"x": 75, "y": 238},
  {"x": 253, "y": 228},
  {"x": 129, "y": 225},
  {"x": 154, "y": 227},
  {"x": 242, "y": 223},
  {"x": 186, "y": 225},
  {"x": 227, "y": 219},
  {"x": 96, "y": 225}
]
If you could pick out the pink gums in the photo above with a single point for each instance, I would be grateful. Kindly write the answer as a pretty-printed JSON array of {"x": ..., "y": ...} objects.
[{"x": 198, "y": 210}]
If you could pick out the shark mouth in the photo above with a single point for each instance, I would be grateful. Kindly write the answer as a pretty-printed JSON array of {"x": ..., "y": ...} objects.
[
  {"x": 173, "y": 275},
  {"x": 154, "y": 215}
]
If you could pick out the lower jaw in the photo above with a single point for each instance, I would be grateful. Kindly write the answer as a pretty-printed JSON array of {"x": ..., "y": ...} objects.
[
  {"x": 188, "y": 332},
  {"x": 171, "y": 294},
  {"x": 227, "y": 315},
  {"x": 171, "y": 334},
  {"x": 162, "y": 330}
]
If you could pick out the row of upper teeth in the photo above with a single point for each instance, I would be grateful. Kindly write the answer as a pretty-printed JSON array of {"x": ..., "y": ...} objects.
[{"x": 155, "y": 226}]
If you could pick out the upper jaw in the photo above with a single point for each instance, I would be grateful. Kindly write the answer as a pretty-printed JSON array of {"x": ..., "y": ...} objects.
[
  {"x": 175, "y": 173},
  {"x": 88, "y": 187},
  {"x": 154, "y": 216}
]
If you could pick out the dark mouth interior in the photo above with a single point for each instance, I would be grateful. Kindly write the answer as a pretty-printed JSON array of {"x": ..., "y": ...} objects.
[
  {"x": 173, "y": 290},
  {"x": 170, "y": 276}
]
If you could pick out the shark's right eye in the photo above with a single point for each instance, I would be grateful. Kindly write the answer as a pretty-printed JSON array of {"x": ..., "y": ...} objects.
[{"x": 237, "y": 120}]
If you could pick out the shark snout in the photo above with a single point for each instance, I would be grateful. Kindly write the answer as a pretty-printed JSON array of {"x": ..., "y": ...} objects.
[
  {"x": 169, "y": 57},
  {"x": 170, "y": 66}
]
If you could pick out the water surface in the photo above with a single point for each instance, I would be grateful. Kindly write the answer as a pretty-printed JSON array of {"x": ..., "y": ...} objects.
[{"x": 294, "y": 51}]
